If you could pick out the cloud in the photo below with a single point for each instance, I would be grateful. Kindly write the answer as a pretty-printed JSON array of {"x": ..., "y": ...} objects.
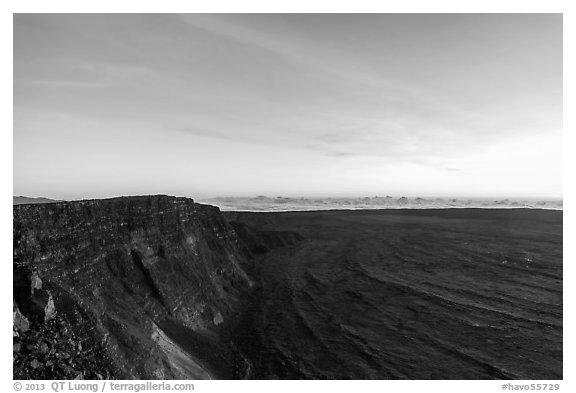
[
  {"x": 340, "y": 154},
  {"x": 222, "y": 135},
  {"x": 64, "y": 84},
  {"x": 304, "y": 53}
]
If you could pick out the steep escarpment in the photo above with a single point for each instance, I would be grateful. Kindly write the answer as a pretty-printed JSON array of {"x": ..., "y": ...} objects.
[
  {"x": 258, "y": 241},
  {"x": 149, "y": 282}
]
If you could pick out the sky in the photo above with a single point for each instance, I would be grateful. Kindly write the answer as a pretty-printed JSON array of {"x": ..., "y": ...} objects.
[{"x": 205, "y": 105}]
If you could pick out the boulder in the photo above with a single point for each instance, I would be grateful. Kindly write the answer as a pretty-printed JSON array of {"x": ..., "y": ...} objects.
[{"x": 20, "y": 322}]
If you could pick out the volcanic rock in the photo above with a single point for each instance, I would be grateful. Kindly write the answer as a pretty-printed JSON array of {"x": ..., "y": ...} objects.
[{"x": 114, "y": 270}]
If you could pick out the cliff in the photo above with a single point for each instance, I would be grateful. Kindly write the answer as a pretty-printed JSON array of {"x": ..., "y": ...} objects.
[{"x": 147, "y": 283}]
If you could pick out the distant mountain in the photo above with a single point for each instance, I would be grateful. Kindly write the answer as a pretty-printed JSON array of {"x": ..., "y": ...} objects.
[{"x": 22, "y": 200}]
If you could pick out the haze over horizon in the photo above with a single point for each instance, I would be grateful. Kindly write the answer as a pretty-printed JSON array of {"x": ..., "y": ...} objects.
[{"x": 206, "y": 105}]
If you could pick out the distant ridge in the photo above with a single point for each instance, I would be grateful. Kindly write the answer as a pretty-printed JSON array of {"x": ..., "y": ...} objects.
[
  {"x": 22, "y": 200},
  {"x": 263, "y": 203}
]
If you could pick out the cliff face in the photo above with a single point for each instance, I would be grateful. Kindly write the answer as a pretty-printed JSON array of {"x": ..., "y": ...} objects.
[{"x": 135, "y": 275}]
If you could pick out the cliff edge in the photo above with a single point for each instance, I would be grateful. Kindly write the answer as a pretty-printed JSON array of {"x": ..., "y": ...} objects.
[{"x": 146, "y": 283}]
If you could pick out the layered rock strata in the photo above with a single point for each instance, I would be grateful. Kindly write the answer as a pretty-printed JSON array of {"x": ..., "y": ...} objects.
[{"x": 151, "y": 281}]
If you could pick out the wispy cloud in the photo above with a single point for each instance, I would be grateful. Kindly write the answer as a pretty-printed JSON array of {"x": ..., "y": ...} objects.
[
  {"x": 304, "y": 54},
  {"x": 328, "y": 101},
  {"x": 64, "y": 83}
]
